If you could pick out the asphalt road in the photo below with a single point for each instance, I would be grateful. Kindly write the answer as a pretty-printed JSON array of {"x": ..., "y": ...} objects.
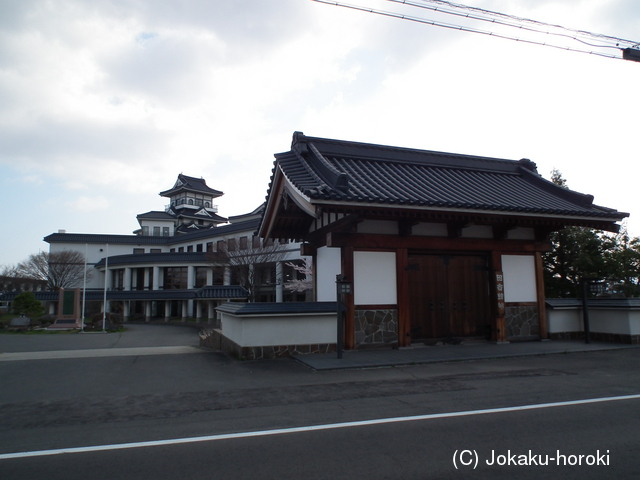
[{"x": 122, "y": 400}]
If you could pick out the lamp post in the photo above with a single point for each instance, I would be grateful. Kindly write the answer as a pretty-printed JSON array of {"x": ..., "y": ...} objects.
[
  {"x": 595, "y": 286},
  {"x": 342, "y": 287}
]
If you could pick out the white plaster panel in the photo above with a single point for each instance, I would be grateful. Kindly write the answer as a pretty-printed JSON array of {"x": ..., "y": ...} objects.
[
  {"x": 521, "y": 233},
  {"x": 385, "y": 227},
  {"x": 430, "y": 230},
  {"x": 519, "y": 278},
  {"x": 374, "y": 281},
  {"x": 477, "y": 231},
  {"x": 328, "y": 265}
]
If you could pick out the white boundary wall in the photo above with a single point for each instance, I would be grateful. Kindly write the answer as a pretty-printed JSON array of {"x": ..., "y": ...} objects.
[
  {"x": 276, "y": 330},
  {"x": 601, "y": 320}
]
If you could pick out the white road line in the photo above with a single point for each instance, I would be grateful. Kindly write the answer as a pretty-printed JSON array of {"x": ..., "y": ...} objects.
[{"x": 311, "y": 428}]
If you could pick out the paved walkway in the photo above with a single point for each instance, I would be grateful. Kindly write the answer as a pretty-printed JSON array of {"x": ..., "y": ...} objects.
[
  {"x": 137, "y": 340},
  {"x": 447, "y": 353}
]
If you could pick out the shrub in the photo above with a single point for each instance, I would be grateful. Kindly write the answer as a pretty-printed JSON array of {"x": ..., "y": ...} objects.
[{"x": 27, "y": 304}]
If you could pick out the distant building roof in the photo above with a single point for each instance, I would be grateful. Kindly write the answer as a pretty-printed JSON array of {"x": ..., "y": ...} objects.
[
  {"x": 220, "y": 292},
  {"x": 209, "y": 232},
  {"x": 155, "y": 215},
  {"x": 191, "y": 184}
]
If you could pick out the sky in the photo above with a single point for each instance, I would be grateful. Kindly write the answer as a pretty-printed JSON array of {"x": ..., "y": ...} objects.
[{"x": 104, "y": 103}]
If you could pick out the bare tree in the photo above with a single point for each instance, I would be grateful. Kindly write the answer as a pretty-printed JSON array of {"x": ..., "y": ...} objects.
[
  {"x": 9, "y": 271},
  {"x": 304, "y": 282},
  {"x": 253, "y": 265},
  {"x": 59, "y": 269}
]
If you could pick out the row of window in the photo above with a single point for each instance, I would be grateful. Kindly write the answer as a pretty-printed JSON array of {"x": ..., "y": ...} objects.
[
  {"x": 229, "y": 245},
  {"x": 177, "y": 277},
  {"x": 147, "y": 231}
]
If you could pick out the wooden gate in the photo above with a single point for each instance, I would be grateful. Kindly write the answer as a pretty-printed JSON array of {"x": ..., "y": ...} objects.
[{"x": 449, "y": 296}]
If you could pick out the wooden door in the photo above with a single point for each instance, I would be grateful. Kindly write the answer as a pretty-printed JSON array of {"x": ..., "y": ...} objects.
[{"x": 449, "y": 296}]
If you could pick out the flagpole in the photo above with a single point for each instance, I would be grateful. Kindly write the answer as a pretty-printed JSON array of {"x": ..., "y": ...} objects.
[
  {"x": 104, "y": 300},
  {"x": 84, "y": 285}
]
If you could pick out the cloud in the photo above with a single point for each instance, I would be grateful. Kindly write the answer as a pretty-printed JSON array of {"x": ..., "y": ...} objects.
[{"x": 89, "y": 204}]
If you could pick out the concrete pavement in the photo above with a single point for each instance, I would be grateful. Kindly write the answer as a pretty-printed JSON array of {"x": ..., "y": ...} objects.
[
  {"x": 419, "y": 355},
  {"x": 136, "y": 340}
]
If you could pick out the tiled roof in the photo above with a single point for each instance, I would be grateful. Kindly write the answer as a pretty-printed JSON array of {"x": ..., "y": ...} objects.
[
  {"x": 106, "y": 238},
  {"x": 333, "y": 171},
  {"x": 155, "y": 215},
  {"x": 191, "y": 184},
  {"x": 213, "y": 232},
  {"x": 263, "y": 308},
  {"x": 155, "y": 258},
  {"x": 220, "y": 292}
]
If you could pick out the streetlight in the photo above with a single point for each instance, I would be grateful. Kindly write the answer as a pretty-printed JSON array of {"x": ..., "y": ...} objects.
[{"x": 342, "y": 288}]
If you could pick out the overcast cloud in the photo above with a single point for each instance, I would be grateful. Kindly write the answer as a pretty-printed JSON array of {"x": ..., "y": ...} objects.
[{"x": 103, "y": 103}]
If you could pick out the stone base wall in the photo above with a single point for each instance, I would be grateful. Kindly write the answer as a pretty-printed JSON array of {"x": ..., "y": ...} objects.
[
  {"x": 376, "y": 327},
  {"x": 598, "y": 337},
  {"x": 522, "y": 321},
  {"x": 215, "y": 340}
]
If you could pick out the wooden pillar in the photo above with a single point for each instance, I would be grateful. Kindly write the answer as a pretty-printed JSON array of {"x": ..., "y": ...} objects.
[
  {"x": 542, "y": 305},
  {"x": 402, "y": 279},
  {"x": 499, "y": 328},
  {"x": 349, "y": 321}
]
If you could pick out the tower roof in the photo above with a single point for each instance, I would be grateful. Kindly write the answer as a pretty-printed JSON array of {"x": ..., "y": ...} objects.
[{"x": 191, "y": 184}]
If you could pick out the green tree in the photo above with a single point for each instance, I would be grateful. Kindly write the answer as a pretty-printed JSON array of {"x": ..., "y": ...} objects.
[
  {"x": 577, "y": 253},
  {"x": 27, "y": 304},
  {"x": 622, "y": 256}
]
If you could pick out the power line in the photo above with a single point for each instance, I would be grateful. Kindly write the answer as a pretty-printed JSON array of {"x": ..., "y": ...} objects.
[
  {"x": 629, "y": 53},
  {"x": 516, "y": 22}
]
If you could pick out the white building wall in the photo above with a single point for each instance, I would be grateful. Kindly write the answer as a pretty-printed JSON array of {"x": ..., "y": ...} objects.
[
  {"x": 374, "y": 278},
  {"x": 158, "y": 223},
  {"x": 328, "y": 265},
  {"x": 519, "y": 278}
]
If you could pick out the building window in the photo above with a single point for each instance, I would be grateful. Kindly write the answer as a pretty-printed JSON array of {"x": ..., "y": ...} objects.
[
  {"x": 218, "y": 275},
  {"x": 232, "y": 245},
  {"x": 175, "y": 278},
  {"x": 172, "y": 250},
  {"x": 190, "y": 248},
  {"x": 180, "y": 249},
  {"x": 137, "y": 251},
  {"x": 209, "y": 247},
  {"x": 155, "y": 250},
  {"x": 156, "y": 231},
  {"x": 201, "y": 277},
  {"x": 199, "y": 247},
  {"x": 165, "y": 231},
  {"x": 255, "y": 241},
  {"x": 145, "y": 231},
  {"x": 220, "y": 246},
  {"x": 244, "y": 243}
]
